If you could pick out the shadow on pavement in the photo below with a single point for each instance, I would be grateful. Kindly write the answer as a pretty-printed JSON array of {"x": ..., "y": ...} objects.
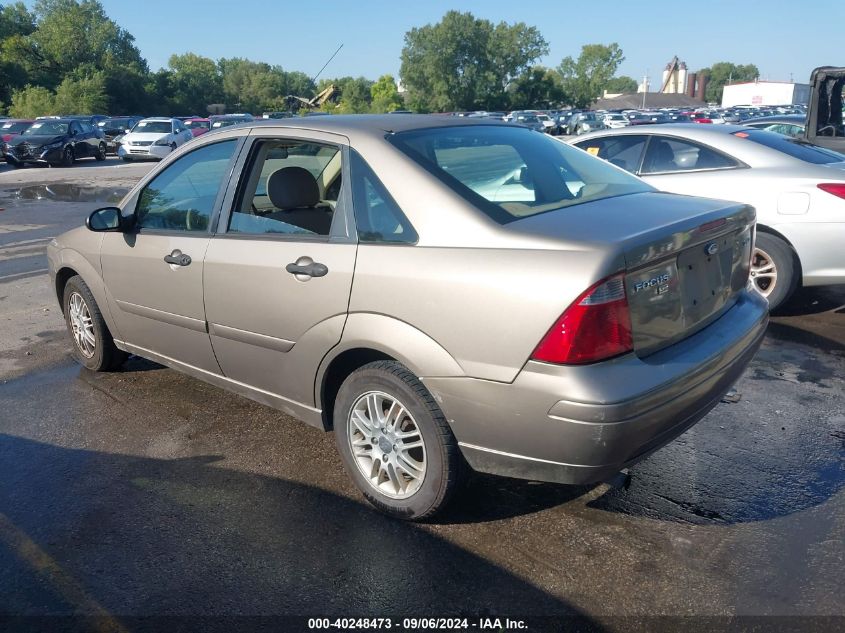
[
  {"x": 813, "y": 300},
  {"x": 188, "y": 536}
]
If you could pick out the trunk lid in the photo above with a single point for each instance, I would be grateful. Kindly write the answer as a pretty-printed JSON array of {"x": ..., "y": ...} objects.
[{"x": 686, "y": 259}]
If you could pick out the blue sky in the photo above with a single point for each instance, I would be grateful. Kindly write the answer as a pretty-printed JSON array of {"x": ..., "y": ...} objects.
[{"x": 302, "y": 34}]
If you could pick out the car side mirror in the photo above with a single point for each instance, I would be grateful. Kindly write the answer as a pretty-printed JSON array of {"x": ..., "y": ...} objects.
[{"x": 107, "y": 219}]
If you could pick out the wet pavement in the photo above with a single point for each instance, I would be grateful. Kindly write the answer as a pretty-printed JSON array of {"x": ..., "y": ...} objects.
[{"x": 146, "y": 492}]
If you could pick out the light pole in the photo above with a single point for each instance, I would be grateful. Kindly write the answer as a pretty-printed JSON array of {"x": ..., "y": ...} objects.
[{"x": 645, "y": 86}]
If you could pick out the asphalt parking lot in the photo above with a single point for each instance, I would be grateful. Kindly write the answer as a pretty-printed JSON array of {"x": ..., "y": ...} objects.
[{"x": 148, "y": 493}]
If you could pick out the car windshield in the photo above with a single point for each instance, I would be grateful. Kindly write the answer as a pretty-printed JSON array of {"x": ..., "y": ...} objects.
[
  {"x": 190, "y": 124},
  {"x": 510, "y": 172},
  {"x": 588, "y": 117},
  {"x": 46, "y": 128},
  {"x": 793, "y": 147},
  {"x": 12, "y": 128},
  {"x": 153, "y": 127}
]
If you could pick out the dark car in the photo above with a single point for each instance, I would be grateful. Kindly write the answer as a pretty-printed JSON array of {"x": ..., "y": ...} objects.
[
  {"x": 55, "y": 142},
  {"x": 114, "y": 128},
  {"x": 224, "y": 120},
  {"x": 10, "y": 128},
  {"x": 789, "y": 124}
]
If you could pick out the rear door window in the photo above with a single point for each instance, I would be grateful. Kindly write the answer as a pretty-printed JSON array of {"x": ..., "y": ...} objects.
[
  {"x": 668, "y": 155},
  {"x": 624, "y": 151}
]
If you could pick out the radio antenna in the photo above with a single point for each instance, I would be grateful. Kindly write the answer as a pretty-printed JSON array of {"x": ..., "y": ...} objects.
[{"x": 314, "y": 79}]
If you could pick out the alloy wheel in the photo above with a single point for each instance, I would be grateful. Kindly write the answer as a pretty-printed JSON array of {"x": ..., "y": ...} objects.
[
  {"x": 82, "y": 325},
  {"x": 387, "y": 445},
  {"x": 764, "y": 272}
]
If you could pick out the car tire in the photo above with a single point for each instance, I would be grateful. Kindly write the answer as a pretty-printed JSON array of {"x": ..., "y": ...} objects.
[
  {"x": 378, "y": 451},
  {"x": 126, "y": 159},
  {"x": 67, "y": 157},
  {"x": 173, "y": 146},
  {"x": 93, "y": 345},
  {"x": 101, "y": 152},
  {"x": 773, "y": 256}
]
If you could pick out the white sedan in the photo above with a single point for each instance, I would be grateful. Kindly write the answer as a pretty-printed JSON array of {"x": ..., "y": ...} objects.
[
  {"x": 797, "y": 189},
  {"x": 153, "y": 138}
]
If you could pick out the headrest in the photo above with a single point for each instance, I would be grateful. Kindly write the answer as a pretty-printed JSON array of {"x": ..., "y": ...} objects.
[{"x": 292, "y": 187}]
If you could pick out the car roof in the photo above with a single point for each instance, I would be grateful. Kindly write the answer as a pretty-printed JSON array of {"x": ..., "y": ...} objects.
[
  {"x": 158, "y": 118},
  {"x": 780, "y": 118},
  {"x": 371, "y": 124}
]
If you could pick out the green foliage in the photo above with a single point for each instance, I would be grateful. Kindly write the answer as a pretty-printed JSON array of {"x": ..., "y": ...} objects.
[
  {"x": 195, "y": 82},
  {"x": 723, "y": 72},
  {"x": 464, "y": 63},
  {"x": 86, "y": 95},
  {"x": 585, "y": 79},
  {"x": 355, "y": 95},
  {"x": 15, "y": 19},
  {"x": 32, "y": 101},
  {"x": 538, "y": 87},
  {"x": 621, "y": 85},
  {"x": 385, "y": 96}
]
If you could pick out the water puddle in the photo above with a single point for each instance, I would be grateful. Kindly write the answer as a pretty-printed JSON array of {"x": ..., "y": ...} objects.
[{"x": 67, "y": 192}]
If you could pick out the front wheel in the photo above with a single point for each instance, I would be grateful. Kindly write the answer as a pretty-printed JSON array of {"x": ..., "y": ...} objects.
[
  {"x": 126, "y": 159},
  {"x": 395, "y": 442},
  {"x": 773, "y": 269},
  {"x": 101, "y": 152},
  {"x": 67, "y": 157},
  {"x": 93, "y": 345}
]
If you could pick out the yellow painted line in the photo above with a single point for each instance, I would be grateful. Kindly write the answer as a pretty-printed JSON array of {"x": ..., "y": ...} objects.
[{"x": 65, "y": 585}]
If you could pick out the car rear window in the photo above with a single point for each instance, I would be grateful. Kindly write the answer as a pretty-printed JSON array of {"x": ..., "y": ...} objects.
[
  {"x": 793, "y": 147},
  {"x": 510, "y": 172}
]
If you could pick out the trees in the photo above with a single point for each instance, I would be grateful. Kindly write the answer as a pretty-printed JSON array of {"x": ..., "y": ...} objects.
[
  {"x": 385, "y": 96},
  {"x": 195, "y": 82},
  {"x": 621, "y": 85},
  {"x": 585, "y": 79},
  {"x": 464, "y": 63},
  {"x": 537, "y": 87},
  {"x": 723, "y": 72},
  {"x": 30, "y": 102},
  {"x": 83, "y": 95}
]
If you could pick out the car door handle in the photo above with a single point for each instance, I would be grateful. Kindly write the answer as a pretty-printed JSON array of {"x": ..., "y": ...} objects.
[
  {"x": 309, "y": 269},
  {"x": 178, "y": 258}
]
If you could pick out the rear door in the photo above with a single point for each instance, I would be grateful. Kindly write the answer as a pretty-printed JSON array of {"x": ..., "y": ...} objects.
[{"x": 278, "y": 273}]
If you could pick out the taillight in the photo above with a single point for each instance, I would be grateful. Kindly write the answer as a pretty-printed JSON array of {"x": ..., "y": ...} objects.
[
  {"x": 835, "y": 188},
  {"x": 596, "y": 326}
]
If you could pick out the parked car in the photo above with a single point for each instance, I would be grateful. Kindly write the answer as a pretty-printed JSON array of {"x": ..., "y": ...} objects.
[
  {"x": 56, "y": 142},
  {"x": 9, "y": 129},
  {"x": 797, "y": 189},
  {"x": 153, "y": 138},
  {"x": 789, "y": 124},
  {"x": 417, "y": 336},
  {"x": 613, "y": 121},
  {"x": 115, "y": 128},
  {"x": 225, "y": 120},
  {"x": 529, "y": 120},
  {"x": 584, "y": 122},
  {"x": 199, "y": 126}
]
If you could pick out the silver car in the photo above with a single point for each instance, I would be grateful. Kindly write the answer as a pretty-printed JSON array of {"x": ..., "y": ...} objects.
[
  {"x": 443, "y": 294},
  {"x": 798, "y": 190}
]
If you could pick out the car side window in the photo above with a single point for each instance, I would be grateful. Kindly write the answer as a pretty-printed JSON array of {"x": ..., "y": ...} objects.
[
  {"x": 74, "y": 128},
  {"x": 181, "y": 198},
  {"x": 669, "y": 155},
  {"x": 289, "y": 187},
  {"x": 377, "y": 216},
  {"x": 623, "y": 151}
]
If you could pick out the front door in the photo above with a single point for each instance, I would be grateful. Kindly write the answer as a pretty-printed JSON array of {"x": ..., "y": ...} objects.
[
  {"x": 278, "y": 273},
  {"x": 155, "y": 273}
]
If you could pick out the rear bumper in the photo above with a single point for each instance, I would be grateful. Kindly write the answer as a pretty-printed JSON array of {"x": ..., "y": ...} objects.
[{"x": 580, "y": 425}]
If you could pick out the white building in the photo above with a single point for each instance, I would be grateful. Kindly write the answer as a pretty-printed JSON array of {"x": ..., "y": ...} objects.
[{"x": 765, "y": 93}]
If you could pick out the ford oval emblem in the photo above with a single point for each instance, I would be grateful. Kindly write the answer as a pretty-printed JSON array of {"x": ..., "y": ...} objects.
[{"x": 712, "y": 248}]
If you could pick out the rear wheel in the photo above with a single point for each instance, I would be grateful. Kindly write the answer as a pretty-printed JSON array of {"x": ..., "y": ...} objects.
[
  {"x": 93, "y": 345},
  {"x": 773, "y": 269},
  {"x": 395, "y": 442}
]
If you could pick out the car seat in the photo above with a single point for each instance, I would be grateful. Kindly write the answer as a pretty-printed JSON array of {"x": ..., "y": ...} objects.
[
  {"x": 661, "y": 158},
  {"x": 295, "y": 194}
]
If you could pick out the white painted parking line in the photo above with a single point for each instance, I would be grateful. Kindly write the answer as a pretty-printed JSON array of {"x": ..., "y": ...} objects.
[{"x": 28, "y": 273}]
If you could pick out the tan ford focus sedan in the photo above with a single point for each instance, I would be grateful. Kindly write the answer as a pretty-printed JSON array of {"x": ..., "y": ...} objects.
[{"x": 443, "y": 295}]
